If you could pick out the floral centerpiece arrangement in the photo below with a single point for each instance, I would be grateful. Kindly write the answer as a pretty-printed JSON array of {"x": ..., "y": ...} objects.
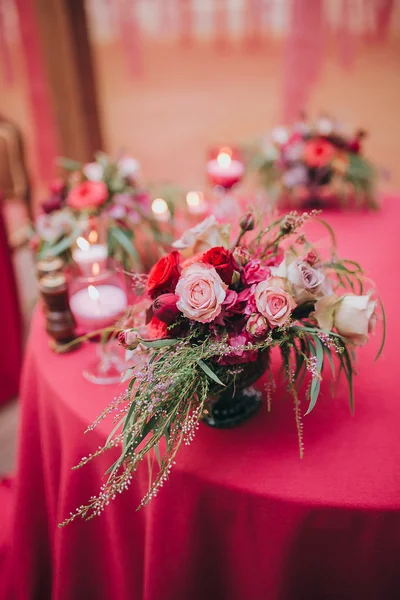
[
  {"x": 310, "y": 163},
  {"x": 212, "y": 313},
  {"x": 103, "y": 188}
]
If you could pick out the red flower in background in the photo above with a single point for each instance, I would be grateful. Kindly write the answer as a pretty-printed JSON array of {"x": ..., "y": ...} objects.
[
  {"x": 222, "y": 260},
  {"x": 87, "y": 195},
  {"x": 164, "y": 276},
  {"x": 318, "y": 153}
]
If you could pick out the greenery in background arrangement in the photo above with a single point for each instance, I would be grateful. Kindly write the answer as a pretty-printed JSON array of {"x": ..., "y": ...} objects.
[
  {"x": 103, "y": 188},
  {"x": 310, "y": 163},
  {"x": 212, "y": 312}
]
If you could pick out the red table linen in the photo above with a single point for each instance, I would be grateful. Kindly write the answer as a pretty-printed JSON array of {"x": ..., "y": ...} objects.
[
  {"x": 242, "y": 517},
  {"x": 10, "y": 347}
]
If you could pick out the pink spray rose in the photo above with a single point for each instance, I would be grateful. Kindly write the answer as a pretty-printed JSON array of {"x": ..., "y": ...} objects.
[
  {"x": 87, "y": 195},
  {"x": 201, "y": 293},
  {"x": 273, "y": 302},
  {"x": 257, "y": 325},
  {"x": 254, "y": 272},
  {"x": 238, "y": 355}
]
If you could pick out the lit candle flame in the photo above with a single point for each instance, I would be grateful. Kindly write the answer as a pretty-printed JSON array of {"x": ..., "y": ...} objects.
[
  {"x": 82, "y": 243},
  {"x": 93, "y": 236},
  {"x": 159, "y": 206},
  {"x": 224, "y": 158},
  {"x": 193, "y": 199},
  {"x": 95, "y": 269},
  {"x": 93, "y": 293}
]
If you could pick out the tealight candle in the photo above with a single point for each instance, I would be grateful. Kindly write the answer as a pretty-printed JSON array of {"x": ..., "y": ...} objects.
[
  {"x": 91, "y": 258},
  {"x": 196, "y": 203},
  {"x": 96, "y": 307},
  {"x": 224, "y": 170},
  {"x": 160, "y": 210}
]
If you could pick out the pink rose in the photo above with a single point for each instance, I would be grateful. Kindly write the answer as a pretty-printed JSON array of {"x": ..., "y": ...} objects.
[
  {"x": 257, "y": 325},
  {"x": 201, "y": 293},
  {"x": 87, "y": 195},
  {"x": 254, "y": 272},
  {"x": 238, "y": 355},
  {"x": 273, "y": 302}
]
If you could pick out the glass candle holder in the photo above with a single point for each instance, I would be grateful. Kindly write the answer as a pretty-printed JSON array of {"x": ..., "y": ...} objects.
[
  {"x": 90, "y": 252},
  {"x": 97, "y": 303}
]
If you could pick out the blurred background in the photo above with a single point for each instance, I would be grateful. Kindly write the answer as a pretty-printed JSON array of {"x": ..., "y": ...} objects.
[{"x": 165, "y": 80}]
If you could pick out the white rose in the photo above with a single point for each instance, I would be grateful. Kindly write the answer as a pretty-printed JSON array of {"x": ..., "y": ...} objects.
[
  {"x": 128, "y": 166},
  {"x": 201, "y": 293},
  {"x": 353, "y": 316},
  {"x": 93, "y": 171},
  {"x": 52, "y": 227},
  {"x": 205, "y": 235}
]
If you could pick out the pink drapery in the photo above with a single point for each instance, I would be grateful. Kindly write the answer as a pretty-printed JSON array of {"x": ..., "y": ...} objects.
[
  {"x": 38, "y": 92},
  {"x": 5, "y": 51}
]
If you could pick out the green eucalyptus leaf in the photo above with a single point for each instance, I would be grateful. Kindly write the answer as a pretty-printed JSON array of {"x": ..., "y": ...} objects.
[
  {"x": 159, "y": 343},
  {"x": 209, "y": 372}
]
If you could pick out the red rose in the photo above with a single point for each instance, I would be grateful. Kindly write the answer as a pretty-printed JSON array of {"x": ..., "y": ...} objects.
[
  {"x": 223, "y": 262},
  {"x": 156, "y": 329},
  {"x": 164, "y": 308},
  {"x": 164, "y": 276}
]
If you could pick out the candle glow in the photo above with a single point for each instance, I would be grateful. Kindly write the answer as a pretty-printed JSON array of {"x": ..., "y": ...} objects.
[
  {"x": 93, "y": 236},
  {"x": 224, "y": 159},
  {"x": 82, "y": 244},
  {"x": 160, "y": 209}
]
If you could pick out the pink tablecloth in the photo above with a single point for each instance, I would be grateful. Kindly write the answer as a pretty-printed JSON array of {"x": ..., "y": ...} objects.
[{"x": 242, "y": 518}]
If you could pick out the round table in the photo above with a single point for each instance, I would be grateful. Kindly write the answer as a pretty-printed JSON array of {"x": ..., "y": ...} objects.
[{"x": 242, "y": 517}]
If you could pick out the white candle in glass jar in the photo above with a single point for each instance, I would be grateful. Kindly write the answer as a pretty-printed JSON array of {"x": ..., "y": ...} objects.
[
  {"x": 195, "y": 203},
  {"x": 97, "y": 307},
  {"x": 87, "y": 255},
  {"x": 224, "y": 170}
]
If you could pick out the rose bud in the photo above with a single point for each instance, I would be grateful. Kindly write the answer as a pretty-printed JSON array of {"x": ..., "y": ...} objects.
[
  {"x": 247, "y": 223},
  {"x": 52, "y": 204},
  {"x": 165, "y": 309},
  {"x": 241, "y": 256},
  {"x": 311, "y": 258},
  {"x": 257, "y": 325},
  {"x": 129, "y": 339}
]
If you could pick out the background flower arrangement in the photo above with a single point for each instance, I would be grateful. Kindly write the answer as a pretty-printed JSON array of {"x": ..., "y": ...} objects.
[
  {"x": 107, "y": 189},
  {"x": 211, "y": 314},
  {"x": 310, "y": 163}
]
